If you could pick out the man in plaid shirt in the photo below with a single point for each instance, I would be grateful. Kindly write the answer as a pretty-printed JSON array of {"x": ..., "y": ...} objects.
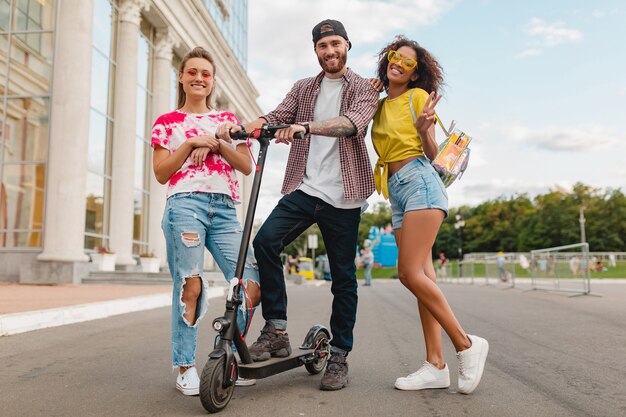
[{"x": 327, "y": 181}]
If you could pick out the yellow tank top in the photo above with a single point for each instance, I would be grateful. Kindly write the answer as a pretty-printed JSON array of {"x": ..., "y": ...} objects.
[{"x": 394, "y": 135}]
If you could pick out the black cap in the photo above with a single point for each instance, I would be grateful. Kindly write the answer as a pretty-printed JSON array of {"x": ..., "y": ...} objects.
[{"x": 329, "y": 27}]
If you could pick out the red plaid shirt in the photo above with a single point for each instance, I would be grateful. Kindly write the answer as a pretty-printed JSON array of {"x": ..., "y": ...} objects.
[{"x": 359, "y": 101}]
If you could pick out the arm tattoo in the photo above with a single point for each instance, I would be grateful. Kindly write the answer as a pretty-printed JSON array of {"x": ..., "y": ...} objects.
[{"x": 336, "y": 127}]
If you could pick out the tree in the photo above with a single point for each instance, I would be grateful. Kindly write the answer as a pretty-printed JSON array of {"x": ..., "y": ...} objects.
[
  {"x": 520, "y": 224},
  {"x": 300, "y": 246}
]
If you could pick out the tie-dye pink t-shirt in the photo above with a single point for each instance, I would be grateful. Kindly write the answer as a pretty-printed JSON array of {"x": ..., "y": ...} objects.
[{"x": 215, "y": 175}]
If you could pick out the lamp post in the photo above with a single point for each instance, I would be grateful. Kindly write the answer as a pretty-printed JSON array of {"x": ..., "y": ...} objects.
[
  {"x": 312, "y": 245},
  {"x": 459, "y": 225},
  {"x": 581, "y": 220}
]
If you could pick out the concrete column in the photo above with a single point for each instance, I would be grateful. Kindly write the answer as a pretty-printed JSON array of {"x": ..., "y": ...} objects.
[
  {"x": 69, "y": 129},
  {"x": 163, "y": 54},
  {"x": 123, "y": 166}
]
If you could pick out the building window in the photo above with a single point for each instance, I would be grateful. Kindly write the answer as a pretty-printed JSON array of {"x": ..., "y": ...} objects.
[
  {"x": 26, "y": 55},
  {"x": 231, "y": 18},
  {"x": 101, "y": 122},
  {"x": 28, "y": 15},
  {"x": 143, "y": 151}
]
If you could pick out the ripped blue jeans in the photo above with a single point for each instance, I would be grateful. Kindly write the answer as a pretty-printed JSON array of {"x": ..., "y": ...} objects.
[{"x": 191, "y": 222}]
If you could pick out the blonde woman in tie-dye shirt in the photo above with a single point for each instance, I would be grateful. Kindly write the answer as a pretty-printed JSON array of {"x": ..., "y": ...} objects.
[{"x": 199, "y": 169}]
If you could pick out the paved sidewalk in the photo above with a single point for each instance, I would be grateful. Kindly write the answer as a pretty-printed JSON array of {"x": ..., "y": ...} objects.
[{"x": 30, "y": 307}]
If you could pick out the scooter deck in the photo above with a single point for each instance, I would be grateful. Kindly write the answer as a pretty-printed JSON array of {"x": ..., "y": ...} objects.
[{"x": 273, "y": 366}]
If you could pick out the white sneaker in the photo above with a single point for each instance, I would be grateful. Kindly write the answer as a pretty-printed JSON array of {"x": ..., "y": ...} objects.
[
  {"x": 245, "y": 382},
  {"x": 472, "y": 363},
  {"x": 189, "y": 383},
  {"x": 428, "y": 376}
]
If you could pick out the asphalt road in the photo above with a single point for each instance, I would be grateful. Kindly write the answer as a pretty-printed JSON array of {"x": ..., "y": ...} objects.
[{"x": 550, "y": 355}]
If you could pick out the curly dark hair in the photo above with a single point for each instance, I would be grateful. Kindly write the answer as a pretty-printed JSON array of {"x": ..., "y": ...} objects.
[{"x": 429, "y": 72}]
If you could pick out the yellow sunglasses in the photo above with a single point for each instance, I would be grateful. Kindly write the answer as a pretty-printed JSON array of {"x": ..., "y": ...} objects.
[{"x": 407, "y": 63}]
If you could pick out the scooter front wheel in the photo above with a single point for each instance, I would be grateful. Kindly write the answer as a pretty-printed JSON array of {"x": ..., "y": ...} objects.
[{"x": 213, "y": 395}]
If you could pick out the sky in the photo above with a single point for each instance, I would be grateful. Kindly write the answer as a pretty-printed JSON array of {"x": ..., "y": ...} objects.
[{"x": 539, "y": 85}]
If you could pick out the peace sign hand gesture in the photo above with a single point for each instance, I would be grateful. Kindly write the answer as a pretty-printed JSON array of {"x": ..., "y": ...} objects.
[{"x": 427, "y": 117}]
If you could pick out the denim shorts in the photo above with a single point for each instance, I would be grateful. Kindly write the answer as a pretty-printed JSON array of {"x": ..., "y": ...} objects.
[{"x": 416, "y": 186}]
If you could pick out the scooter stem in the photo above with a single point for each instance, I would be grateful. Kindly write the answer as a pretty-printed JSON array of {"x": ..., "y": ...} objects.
[{"x": 254, "y": 194}]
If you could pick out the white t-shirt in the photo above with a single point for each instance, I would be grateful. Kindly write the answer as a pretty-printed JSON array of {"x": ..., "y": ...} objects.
[
  {"x": 322, "y": 178},
  {"x": 215, "y": 175}
]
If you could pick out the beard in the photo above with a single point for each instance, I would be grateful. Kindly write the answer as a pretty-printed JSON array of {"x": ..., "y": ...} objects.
[{"x": 342, "y": 58}]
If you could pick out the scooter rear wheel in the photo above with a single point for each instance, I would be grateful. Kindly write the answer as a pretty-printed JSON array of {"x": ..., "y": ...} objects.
[
  {"x": 213, "y": 395},
  {"x": 321, "y": 354}
]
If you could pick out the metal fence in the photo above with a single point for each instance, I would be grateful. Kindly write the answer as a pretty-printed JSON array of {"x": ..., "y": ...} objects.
[
  {"x": 561, "y": 268},
  {"x": 464, "y": 273},
  {"x": 500, "y": 270}
]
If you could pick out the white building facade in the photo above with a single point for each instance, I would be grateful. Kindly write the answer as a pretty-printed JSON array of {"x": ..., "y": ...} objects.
[{"x": 81, "y": 82}]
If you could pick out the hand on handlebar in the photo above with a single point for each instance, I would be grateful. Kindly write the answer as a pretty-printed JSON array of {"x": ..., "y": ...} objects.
[
  {"x": 224, "y": 131},
  {"x": 287, "y": 135}
]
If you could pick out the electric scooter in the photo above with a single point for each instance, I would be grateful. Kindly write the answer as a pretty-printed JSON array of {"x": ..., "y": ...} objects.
[{"x": 217, "y": 382}]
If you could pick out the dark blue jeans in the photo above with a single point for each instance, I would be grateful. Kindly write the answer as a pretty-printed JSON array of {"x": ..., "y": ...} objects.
[{"x": 294, "y": 213}]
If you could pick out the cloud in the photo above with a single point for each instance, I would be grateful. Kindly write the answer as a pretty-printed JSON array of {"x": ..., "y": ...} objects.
[
  {"x": 601, "y": 13},
  {"x": 582, "y": 138},
  {"x": 620, "y": 172},
  {"x": 552, "y": 34},
  {"x": 558, "y": 138},
  {"x": 622, "y": 92},
  {"x": 529, "y": 52},
  {"x": 279, "y": 36},
  {"x": 478, "y": 192},
  {"x": 598, "y": 13}
]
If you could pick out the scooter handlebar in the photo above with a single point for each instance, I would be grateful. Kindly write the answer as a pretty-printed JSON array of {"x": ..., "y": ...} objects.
[{"x": 266, "y": 132}]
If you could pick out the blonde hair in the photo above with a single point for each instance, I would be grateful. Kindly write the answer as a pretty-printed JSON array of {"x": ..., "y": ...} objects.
[{"x": 197, "y": 52}]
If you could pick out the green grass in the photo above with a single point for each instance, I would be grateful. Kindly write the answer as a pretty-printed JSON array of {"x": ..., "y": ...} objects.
[
  {"x": 378, "y": 273},
  {"x": 479, "y": 271},
  {"x": 618, "y": 271}
]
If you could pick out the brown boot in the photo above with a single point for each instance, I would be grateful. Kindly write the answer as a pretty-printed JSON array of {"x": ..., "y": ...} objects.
[
  {"x": 270, "y": 344},
  {"x": 336, "y": 375}
]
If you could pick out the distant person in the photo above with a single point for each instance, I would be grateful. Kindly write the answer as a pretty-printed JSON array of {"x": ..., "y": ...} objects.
[
  {"x": 325, "y": 267},
  {"x": 367, "y": 260},
  {"x": 500, "y": 262},
  {"x": 192, "y": 156},
  {"x": 574, "y": 265},
  {"x": 291, "y": 261},
  {"x": 593, "y": 261},
  {"x": 523, "y": 262},
  {"x": 551, "y": 266},
  {"x": 419, "y": 205},
  {"x": 443, "y": 261},
  {"x": 612, "y": 260},
  {"x": 297, "y": 263}
]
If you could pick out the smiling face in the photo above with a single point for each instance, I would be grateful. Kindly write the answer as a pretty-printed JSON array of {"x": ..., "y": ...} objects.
[
  {"x": 197, "y": 78},
  {"x": 332, "y": 54},
  {"x": 396, "y": 73}
]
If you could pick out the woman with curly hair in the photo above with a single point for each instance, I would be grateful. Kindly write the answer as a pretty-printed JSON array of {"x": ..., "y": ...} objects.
[{"x": 412, "y": 79}]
